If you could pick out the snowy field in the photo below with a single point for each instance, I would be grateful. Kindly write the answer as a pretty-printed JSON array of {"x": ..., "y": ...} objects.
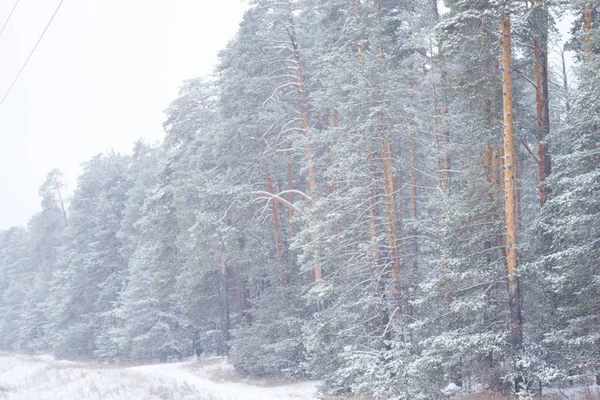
[{"x": 43, "y": 378}]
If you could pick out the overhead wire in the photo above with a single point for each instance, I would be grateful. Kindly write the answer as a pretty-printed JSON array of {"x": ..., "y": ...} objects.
[
  {"x": 31, "y": 53},
  {"x": 9, "y": 16}
]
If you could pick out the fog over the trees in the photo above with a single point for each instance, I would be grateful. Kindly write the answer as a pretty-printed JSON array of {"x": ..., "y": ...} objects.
[{"x": 100, "y": 79}]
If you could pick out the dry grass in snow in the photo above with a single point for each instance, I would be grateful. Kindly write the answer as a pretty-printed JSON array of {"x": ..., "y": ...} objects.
[{"x": 43, "y": 378}]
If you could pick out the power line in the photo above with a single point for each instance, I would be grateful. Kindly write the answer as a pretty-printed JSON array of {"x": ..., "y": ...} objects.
[
  {"x": 8, "y": 19},
  {"x": 30, "y": 54}
]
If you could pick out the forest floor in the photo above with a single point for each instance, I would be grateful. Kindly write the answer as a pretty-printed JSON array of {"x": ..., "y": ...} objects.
[{"x": 44, "y": 378}]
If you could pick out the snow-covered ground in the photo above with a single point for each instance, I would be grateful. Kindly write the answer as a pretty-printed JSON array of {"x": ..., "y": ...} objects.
[
  {"x": 575, "y": 393},
  {"x": 43, "y": 378}
]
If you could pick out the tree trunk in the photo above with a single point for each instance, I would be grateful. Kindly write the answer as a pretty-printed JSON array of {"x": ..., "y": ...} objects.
[
  {"x": 62, "y": 206},
  {"x": 335, "y": 123},
  {"x": 414, "y": 237},
  {"x": 331, "y": 187},
  {"x": 389, "y": 187},
  {"x": 374, "y": 221},
  {"x": 434, "y": 10},
  {"x": 492, "y": 173},
  {"x": 438, "y": 150},
  {"x": 510, "y": 169},
  {"x": 374, "y": 215},
  {"x": 445, "y": 128},
  {"x": 446, "y": 144},
  {"x": 436, "y": 134},
  {"x": 440, "y": 117},
  {"x": 224, "y": 300},
  {"x": 290, "y": 185},
  {"x": 587, "y": 27},
  {"x": 518, "y": 195},
  {"x": 245, "y": 301},
  {"x": 543, "y": 113},
  {"x": 413, "y": 161},
  {"x": 565, "y": 80},
  {"x": 311, "y": 178}
]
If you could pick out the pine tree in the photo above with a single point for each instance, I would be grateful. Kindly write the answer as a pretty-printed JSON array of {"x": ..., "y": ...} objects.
[
  {"x": 45, "y": 231},
  {"x": 569, "y": 222},
  {"x": 90, "y": 268},
  {"x": 17, "y": 272}
]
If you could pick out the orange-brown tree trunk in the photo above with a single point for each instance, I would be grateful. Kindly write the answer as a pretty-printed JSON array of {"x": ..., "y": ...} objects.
[
  {"x": 436, "y": 134},
  {"x": 311, "y": 178},
  {"x": 540, "y": 52},
  {"x": 374, "y": 213},
  {"x": 587, "y": 27},
  {"x": 589, "y": 50},
  {"x": 374, "y": 224},
  {"x": 373, "y": 192},
  {"x": 335, "y": 123},
  {"x": 389, "y": 186},
  {"x": 510, "y": 170}
]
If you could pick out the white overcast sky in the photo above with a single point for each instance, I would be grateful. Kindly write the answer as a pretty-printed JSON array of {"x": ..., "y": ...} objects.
[{"x": 100, "y": 79}]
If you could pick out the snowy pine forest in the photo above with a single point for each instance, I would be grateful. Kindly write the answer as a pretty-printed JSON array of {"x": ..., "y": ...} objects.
[{"x": 396, "y": 198}]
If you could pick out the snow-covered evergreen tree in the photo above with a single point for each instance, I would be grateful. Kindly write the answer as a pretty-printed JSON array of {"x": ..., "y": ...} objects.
[
  {"x": 90, "y": 267},
  {"x": 570, "y": 221}
]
